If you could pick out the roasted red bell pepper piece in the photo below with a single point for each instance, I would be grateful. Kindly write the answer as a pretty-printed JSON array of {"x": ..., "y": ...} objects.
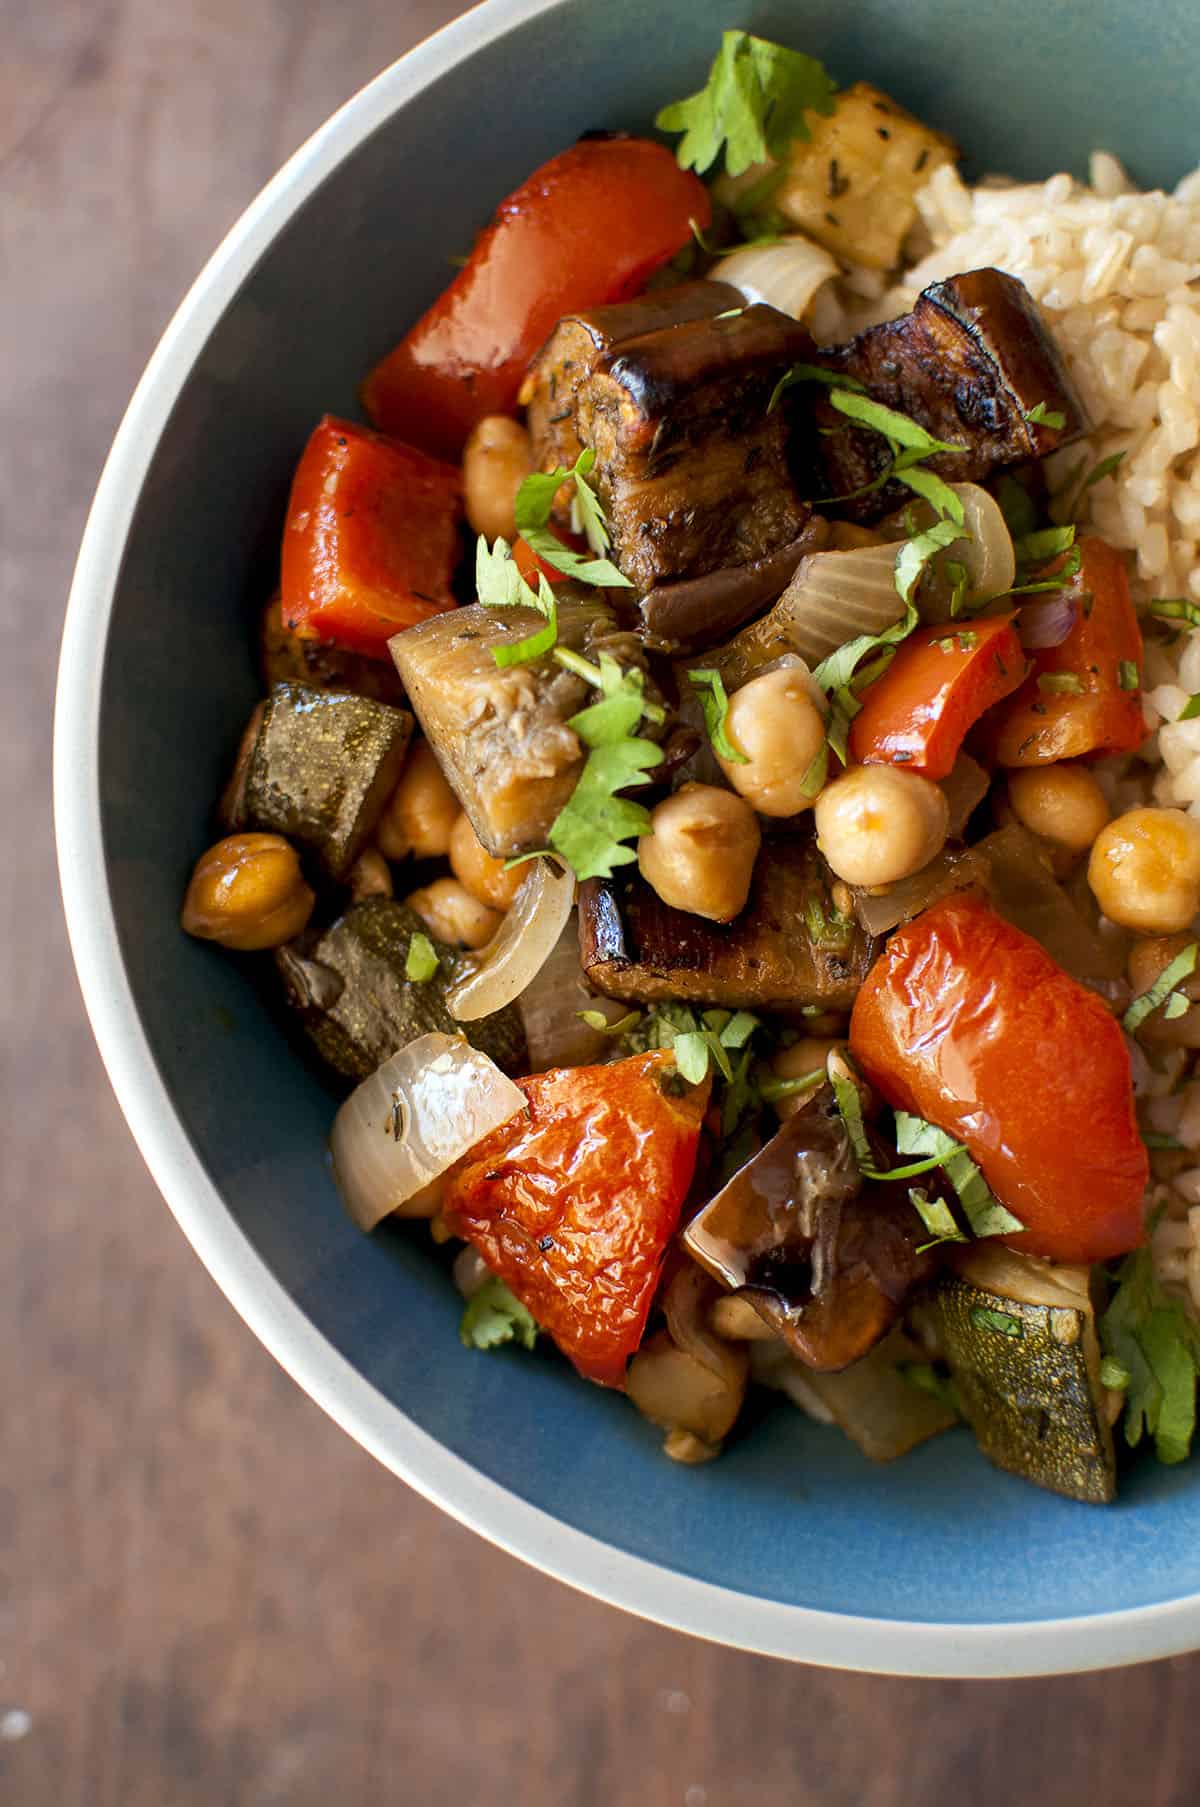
[
  {"x": 1082, "y": 698},
  {"x": 967, "y": 1022},
  {"x": 574, "y": 1204},
  {"x": 590, "y": 226},
  {"x": 935, "y": 689},
  {"x": 371, "y": 538}
]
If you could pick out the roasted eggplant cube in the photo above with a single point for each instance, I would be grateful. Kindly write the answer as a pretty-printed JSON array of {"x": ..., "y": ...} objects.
[
  {"x": 579, "y": 341},
  {"x": 318, "y": 766},
  {"x": 970, "y": 363},
  {"x": 788, "y": 949},
  {"x": 691, "y": 462},
  {"x": 350, "y": 988},
  {"x": 501, "y": 736}
]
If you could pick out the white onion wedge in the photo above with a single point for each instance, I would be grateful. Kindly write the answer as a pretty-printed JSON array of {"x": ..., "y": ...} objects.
[
  {"x": 417, "y": 1114},
  {"x": 985, "y": 550},
  {"x": 550, "y": 1009},
  {"x": 519, "y": 949},
  {"x": 785, "y": 275},
  {"x": 833, "y": 597}
]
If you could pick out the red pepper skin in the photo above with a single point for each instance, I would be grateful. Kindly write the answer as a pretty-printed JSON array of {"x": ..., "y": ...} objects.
[
  {"x": 592, "y": 225},
  {"x": 371, "y": 538},
  {"x": 967, "y": 1022},
  {"x": 575, "y": 1203},
  {"x": 934, "y": 691},
  {"x": 1036, "y": 725}
]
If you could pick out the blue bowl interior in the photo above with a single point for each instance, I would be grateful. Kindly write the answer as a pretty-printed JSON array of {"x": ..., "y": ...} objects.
[{"x": 791, "y": 1513}]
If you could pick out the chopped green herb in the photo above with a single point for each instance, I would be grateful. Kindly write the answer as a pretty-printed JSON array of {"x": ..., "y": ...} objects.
[
  {"x": 928, "y": 1379},
  {"x": 914, "y": 556},
  {"x": 710, "y": 687},
  {"x": 984, "y": 1213},
  {"x": 535, "y": 499},
  {"x": 1176, "y": 1005},
  {"x": 1113, "y": 1375},
  {"x": 1060, "y": 683},
  {"x": 1042, "y": 416},
  {"x": 421, "y": 961},
  {"x": 596, "y": 1019},
  {"x": 849, "y": 1103},
  {"x": 1128, "y": 675},
  {"x": 1078, "y": 483},
  {"x": 933, "y": 489},
  {"x": 591, "y": 829},
  {"x": 813, "y": 373},
  {"x": 494, "y": 1316},
  {"x": 1048, "y": 542},
  {"x": 984, "y": 1318},
  {"x": 937, "y": 1217},
  {"x": 1174, "y": 608},
  {"x": 770, "y": 1090},
  {"x": 738, "y": 1030},
  {"x": 1017, "y": 506},
  {"x": 691, "y": 1056},
  {"x": 1155, "y": 1340},
  {"x": 752, "y": 105},
  {"x": 1180, "y": 968},
  {"x": 1190, "y": 710},
  {"x": 498, "y": 583},
  {"x": 891, "y": 424}
]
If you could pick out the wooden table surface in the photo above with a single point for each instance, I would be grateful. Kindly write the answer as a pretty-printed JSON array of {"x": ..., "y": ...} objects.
[{"x": 208, "y": 1594}]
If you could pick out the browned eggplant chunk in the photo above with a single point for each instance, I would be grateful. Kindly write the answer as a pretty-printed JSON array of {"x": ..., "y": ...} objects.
[
  {"x": 501, "y": 736},
  {"x": 579, "y": 341},
  {"x": 825, "y": 1258},
  {"x": 286, "y": 657},
  {"x": 970, "y": 363},
  {"x": 698, "y": 611},
  {"x": 786, "y": 950},
  {"x": 317, "y": 766},
  {"x": 691, "y": 466}
]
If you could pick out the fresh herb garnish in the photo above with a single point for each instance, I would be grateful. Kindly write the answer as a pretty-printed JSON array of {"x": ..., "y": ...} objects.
[
  {"x": 771, "y": 1090},
  {"x": 1174, "y": 608},
  {"x": 1060, "y": 683},
  {"x": 535, "y": 499},
  {"x": 813, "y": 373},
  {"x": 710, "y": 687},
  {"x": 844, "y": 1081},
  {"x": 596, "y": 1019},
  {"x": 1072, "y": 492},
  {"x": 1113, "y": 1375},
  {"x": 494, "y": 1316},
  {"x": 421, "y": 961},
  {"x": 984, "y": 1212},
  {"x": 1017, "y": 506},
  {"x": 1002, "y": 1322},
  {"x": 1046, "y": 543},
  {"x": 1155, "y": 1340},
  {"x": 937, "y": 1217},
  {"x": 1128, "y": 675},
  {"x": 1190, "y": 710},
  {"x": 1163, "y": 989},
  {"x": 591, "y": 829},
  {"x": 752, "y": 105},
  {"x": 1042, "y": 416},
  {"x": 928, "y": 1379}
]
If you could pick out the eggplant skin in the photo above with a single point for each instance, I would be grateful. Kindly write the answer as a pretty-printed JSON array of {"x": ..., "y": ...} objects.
[
  {"x": 578, "y": 343},
  {"x": 1033, "y": 1398},
  {"x": 691, "y": 462},
  {"x": 318, "y": 768},
  {"x": 969, "y": 363},
  {"x": 682, "y": 618},
  {"x": 350, "y": 991},
  {"x": 637, "y": 948}
]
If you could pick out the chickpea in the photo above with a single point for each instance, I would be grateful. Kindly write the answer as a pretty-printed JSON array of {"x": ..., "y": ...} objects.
[
  {"x": 808, "y": 1055},
  {"x": 247, "y": 892},
  {"x": 1147, "y": 960},
  {"x": 497, "y": 458},
  {"x": 452, "y": 915},
  {"x": 1144, "y": 870},
  {"x": 700, "y": 853},
  {"x": 879, "y": 823},
  {"x": 421, "y": 811},
  {"x": 370, "y": 875},
  {"x": 775, "y": 723},
  {"x": 1061, "y": 802},
  {"x": 473, "y": 866}
]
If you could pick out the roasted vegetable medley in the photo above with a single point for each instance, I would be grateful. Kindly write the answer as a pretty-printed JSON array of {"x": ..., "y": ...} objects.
[{"x": 703, "y": 877}]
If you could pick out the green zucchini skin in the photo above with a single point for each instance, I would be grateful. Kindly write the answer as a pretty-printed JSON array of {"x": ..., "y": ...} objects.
[
  {"x": 1033, "y": 1400},
  {"x": 349, "y": 987},
  {"x": 321, "y": 767}
]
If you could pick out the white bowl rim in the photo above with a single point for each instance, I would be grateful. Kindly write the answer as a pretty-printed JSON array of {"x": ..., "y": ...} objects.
[{"x": 846, "y": 1641}]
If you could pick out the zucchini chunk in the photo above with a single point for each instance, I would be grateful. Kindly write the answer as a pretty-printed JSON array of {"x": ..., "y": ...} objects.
[
  {"x": 349, "y": 986},
  {"x": 786, "y": 950},
  {"x": 969, "y": 364},
  {"x": 691, "y": 463},
  {"x": 1020, "y": 1338},
  {"x": 501, "y": 736},
  {"x": 826, "y": 1258},
  {"x": 318, "y": 766},
  {"x": 578, "y": 343}
]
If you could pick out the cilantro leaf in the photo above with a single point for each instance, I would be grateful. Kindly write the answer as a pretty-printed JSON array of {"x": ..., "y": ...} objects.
[
  {"x": 892, "y": 425},
  {"x": 937, "y": 1217},
  {"x": 1175, "y": 608},
  {"x": 1048, "y": 542},
  {"x": 708, "y": 683},
  {"x": 935, "y": 490},
  {"x": 591, "y": 828},
  {"x": 753, "y": 105},
  {"x": 812, "y": 373},
  {"x": 1155, "y": 1340},
  {"x": 983, "y": 1212},
  {"x": 494, "y": 1316},
  {"x": 534, "y": 645},
  {"x": 1130, "y": 678},
  {"x": 1163, "y": 988},
  {"x": 596, "y": 1019},
  {"x": 498, "y": 583},
  {"x": 915, "y": 554},
  {"x": 1042, "y": 416},
  {"x": 421, "y": 961},
  {"x": 535, "y": 499},
  {"x": 849, "y": 1103},
  {"x": 1002, "y": 1322},
  {"x": 1190, "y": 710}
]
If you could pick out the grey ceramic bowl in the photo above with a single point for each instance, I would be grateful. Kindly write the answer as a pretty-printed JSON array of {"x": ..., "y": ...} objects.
[{"x": 792, "y": 1543}]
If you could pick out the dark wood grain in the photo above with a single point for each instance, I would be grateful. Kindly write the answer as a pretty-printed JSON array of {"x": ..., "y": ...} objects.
[{"x": 209, "y": 1597}]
